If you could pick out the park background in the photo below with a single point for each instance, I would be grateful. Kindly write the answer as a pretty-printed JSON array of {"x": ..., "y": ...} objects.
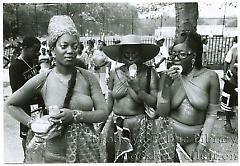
[{"x": 109, "y": 21}]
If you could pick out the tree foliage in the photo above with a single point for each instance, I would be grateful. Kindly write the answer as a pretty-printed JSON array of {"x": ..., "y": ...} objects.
[{"x": 90, "y": 18}]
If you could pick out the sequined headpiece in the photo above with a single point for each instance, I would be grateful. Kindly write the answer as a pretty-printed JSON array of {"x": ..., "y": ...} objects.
[{"x": 59, "y": 25}]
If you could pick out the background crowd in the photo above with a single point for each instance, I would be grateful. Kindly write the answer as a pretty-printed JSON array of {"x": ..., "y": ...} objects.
[{"x": 150, "y": 99}]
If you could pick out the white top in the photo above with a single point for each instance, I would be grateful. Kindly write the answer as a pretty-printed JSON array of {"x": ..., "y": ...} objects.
[
  {"x": 228, "y": 57},
  {"x": 204, "y": 48},
  {"x": 41, "y": 57},
  {"x": 162, "y": 53}
]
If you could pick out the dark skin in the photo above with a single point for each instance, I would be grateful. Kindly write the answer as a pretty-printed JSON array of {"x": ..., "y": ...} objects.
[
  {"x": 173, "y": 94},
  {"x": 66, "y": 49},
  {"x": 136, "y": 90},
  {"x": 130, "y": 103},
  {"x": 30, "y": 54}
]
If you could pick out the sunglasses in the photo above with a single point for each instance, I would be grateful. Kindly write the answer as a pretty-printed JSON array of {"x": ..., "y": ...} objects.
[{"x": 180, "y": 55}]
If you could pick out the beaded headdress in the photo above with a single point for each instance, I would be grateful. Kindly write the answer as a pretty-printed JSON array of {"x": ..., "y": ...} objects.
[{"x": 59, "y": 25}]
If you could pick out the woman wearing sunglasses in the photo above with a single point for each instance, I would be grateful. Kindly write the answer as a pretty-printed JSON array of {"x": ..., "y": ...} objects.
[{"x": 189, "y": 95}]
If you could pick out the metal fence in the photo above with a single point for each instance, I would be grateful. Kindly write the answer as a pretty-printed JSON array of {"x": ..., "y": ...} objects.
[{"x": 217, "y": 47}]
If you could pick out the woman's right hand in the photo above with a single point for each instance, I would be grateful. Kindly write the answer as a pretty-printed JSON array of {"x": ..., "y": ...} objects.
[
  {"x": 171, "y": 74},
  {"x": 64, "y": 117}
]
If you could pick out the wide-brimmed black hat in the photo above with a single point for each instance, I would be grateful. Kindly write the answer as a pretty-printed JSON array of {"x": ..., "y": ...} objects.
[{"x": 148, "y": 51}]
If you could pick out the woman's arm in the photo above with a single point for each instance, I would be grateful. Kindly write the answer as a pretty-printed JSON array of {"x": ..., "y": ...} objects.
[
  {"x": 21, "y": 97},
  {"x": 150, "y": 99},
  {"x": 211, "y": 115},
  {"x": 163, "y": 97},
  {"x": 110, "y": 99},
  {"x": 118, "y": 83},
  {"x": 134, "y": 95},
  {"x": 214, "y": 106}
]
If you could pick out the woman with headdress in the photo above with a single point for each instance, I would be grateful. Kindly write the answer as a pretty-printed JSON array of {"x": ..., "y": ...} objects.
[
  {"x": 132, "y": 88},
  {"x": 70, "y": 94},
  {"x": 189, "y": 95}
]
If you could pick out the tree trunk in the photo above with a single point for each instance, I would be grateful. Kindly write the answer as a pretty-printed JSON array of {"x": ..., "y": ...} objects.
[{"x": 186, "y": 17}]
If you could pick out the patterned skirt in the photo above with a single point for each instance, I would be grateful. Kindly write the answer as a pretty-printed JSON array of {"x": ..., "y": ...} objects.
[
  {"x": 141, "y": 139},
  {"x": 81, "y": 142}
]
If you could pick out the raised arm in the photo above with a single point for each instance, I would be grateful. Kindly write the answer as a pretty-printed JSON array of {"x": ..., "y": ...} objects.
[
  {"x": 163, "y": 96},
  {"x": 150, "y": 99}
]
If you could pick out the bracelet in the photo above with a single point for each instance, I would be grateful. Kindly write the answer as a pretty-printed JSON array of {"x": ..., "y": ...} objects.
[{"x": 77, "y": 116}]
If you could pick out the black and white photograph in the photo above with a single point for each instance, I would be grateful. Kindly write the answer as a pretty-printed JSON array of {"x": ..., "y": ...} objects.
[{"x": 120, "y": 81}]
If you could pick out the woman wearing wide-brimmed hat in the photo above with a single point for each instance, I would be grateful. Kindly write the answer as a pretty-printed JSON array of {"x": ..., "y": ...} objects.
[
  {"x": 71, "y": 94},
  {"x": 132, "y": 88}
]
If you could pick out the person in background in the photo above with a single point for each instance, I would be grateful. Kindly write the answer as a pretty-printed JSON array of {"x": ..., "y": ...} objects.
[
  {"x": 189, "y": 95},
  {"x": 83, "y": 56},
  {"x": 160, "y": 61},
  {"x": 81, "y": 48},
  {"x": 44, "y": 62},
  {"x": 44, "y": 43},
  {"x": 101, "y": 66},
  {"x": 88, "y": 54},
  {"x": 205, "y": 51},
  {"x": 73, "y": 99},
  {"x": 229, "y": 98},
  {"x": 20, "y": 71},
  {"x": 80, "y": 61},
  {"x": 17, "y": 50}
]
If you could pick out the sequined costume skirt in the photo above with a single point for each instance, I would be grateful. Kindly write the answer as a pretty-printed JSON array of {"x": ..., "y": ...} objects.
[{"x": 141, "y": 139}]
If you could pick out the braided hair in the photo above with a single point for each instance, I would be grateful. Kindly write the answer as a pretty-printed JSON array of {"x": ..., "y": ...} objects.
[{"x": 71, "y": 84}]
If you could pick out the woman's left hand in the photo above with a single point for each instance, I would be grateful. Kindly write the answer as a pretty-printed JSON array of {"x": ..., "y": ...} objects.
[
  {"x": 65, "y": 116},
  {"x": 133, "y": 82}
]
